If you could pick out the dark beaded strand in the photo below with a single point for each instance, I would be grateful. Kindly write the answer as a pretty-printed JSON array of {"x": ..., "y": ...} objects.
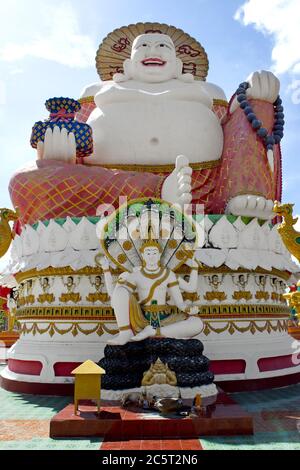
[{"x": 275, "y": 137}]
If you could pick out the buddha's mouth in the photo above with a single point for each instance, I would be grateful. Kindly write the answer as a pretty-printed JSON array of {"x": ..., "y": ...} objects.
[{"x": 153, "y": 62}]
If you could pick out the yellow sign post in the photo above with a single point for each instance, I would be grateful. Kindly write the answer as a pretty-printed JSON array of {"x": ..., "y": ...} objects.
[{"x": 87, "y": 383}]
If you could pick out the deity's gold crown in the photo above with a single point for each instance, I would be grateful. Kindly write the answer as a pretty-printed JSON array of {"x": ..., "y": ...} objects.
[{"x": 150, "y": 244}]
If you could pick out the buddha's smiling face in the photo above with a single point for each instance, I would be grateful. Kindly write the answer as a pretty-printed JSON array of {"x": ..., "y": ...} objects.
[{"x": 153, "y": 58}]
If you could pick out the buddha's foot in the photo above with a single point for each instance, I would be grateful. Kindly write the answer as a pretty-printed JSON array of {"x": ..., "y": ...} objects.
[
  {"x": 147, "y": 332},
  {"x": 122, "y": 338}
]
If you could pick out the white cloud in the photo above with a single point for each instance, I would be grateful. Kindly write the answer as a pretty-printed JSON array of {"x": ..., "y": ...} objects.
[
  {"x": 3, "y": 93},
  {"x": 55, "y": 36},
  {"x": 281, "y": 19}
]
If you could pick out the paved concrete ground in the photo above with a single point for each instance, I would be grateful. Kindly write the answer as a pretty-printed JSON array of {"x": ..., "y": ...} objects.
[{"x": 24, "y": 424}]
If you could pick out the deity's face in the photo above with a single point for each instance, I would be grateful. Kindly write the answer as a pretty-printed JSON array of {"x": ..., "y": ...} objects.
[
  {"x": 151, "y": 256},
  {"x": 241, "y": 279},
  {"x": 70, "y": 282},
  {"x": 153, "y": 58},
  {"x": 97, "y": 281},
  {"x": 215, "y": 279}
]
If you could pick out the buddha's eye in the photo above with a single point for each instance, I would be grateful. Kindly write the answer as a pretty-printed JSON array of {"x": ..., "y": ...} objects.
[
  {"x": 144, "y": 45},
  {"x": 161, "y": 45}
]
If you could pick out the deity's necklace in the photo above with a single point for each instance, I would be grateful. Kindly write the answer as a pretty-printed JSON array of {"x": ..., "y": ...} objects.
[{"x": 152, "y": 276}]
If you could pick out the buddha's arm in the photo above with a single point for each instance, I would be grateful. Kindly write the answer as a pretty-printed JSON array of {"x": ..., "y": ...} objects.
[
  {"x": 251, "y": 176},
  {"x": 263, "y": 86}
]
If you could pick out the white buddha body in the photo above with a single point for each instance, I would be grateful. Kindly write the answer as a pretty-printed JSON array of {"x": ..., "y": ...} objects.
[{"x": 153, "y": 112}]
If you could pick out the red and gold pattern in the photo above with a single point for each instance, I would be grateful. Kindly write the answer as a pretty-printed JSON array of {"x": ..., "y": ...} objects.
[
  {"x": 87, "y": 107},
  {"x": 52, "y": 189}
]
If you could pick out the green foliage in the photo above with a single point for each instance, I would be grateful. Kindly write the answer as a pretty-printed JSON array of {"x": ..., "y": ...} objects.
[{"x": 2, "y": 320}]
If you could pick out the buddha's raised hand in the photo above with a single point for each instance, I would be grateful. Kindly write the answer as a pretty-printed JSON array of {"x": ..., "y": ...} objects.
[
  {"x": 263, "y": 85},
  {"x": 177, "y": 188},
  {"x": 58, "y": 145}
]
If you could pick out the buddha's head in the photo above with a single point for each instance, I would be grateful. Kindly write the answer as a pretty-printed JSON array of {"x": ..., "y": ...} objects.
[{"x": 153, "y": 59}]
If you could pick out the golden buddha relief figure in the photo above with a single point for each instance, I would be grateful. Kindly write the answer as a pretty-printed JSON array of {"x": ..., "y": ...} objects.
[
  {"x": 99, "y": 295},
  {"x": 215, "y": 282},
  {"x": 241, "y": 282},
  {"x": 30, "y": 298},
  {"x": 46, "y": 297},
  {"x": 261, "y": 295},
  {"x": 22, "y": 295},
  {"x": 71, "y": 284}
]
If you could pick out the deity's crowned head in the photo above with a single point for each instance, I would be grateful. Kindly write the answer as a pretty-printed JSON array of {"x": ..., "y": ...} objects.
[
  {"x": 153, "y": 59},
  {"x": 151, "y": 253}
]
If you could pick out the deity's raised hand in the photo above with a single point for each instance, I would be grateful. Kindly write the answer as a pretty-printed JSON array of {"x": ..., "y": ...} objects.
[
  {"x": 193, "y": 310},
  {"x": 104, "y": 263},
  {"x": 58, "y": 145},
  {"x": 191, "y": 262}
]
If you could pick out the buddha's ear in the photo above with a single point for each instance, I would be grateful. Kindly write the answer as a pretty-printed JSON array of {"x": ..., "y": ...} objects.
[
  {"x": 179, "y": 68},
  {"x": 127, "y": 65}
]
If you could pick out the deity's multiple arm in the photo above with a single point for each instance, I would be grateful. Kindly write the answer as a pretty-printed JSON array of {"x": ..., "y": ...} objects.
[
  {"x": 192, "y": 284},
  {"x": 174, "y": 289},
  {"x": 107, "y": 276}
]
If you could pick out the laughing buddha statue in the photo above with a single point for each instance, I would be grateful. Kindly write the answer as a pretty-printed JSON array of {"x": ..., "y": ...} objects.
[{"x": 158, "y": 131}]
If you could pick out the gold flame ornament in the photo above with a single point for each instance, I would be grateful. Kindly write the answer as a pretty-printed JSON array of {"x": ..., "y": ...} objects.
[
  {"x": 6, "y": 233},
  {"x": 289, "y": 236}
]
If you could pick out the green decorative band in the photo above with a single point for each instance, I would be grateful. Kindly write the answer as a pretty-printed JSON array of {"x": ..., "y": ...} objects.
[
  {"x": 250, "y": 310},
  {"x": 107, "y": 313},
  {"x": 214, "y": 218},
  {"x": 66, "y": 313}
]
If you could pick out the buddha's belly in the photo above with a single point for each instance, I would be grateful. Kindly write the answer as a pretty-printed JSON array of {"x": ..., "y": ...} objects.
[{"x": 148, "y": 132}]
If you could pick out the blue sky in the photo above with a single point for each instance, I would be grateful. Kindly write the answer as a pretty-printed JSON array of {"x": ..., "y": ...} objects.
[{"x": 47, "y": 49}]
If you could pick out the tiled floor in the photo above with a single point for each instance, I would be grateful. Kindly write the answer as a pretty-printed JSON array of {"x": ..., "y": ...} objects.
[{"x": 24, "y": 424}]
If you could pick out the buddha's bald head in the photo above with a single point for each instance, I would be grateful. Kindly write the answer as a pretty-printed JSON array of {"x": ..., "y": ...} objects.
[{"x": 153, "y": 59}]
